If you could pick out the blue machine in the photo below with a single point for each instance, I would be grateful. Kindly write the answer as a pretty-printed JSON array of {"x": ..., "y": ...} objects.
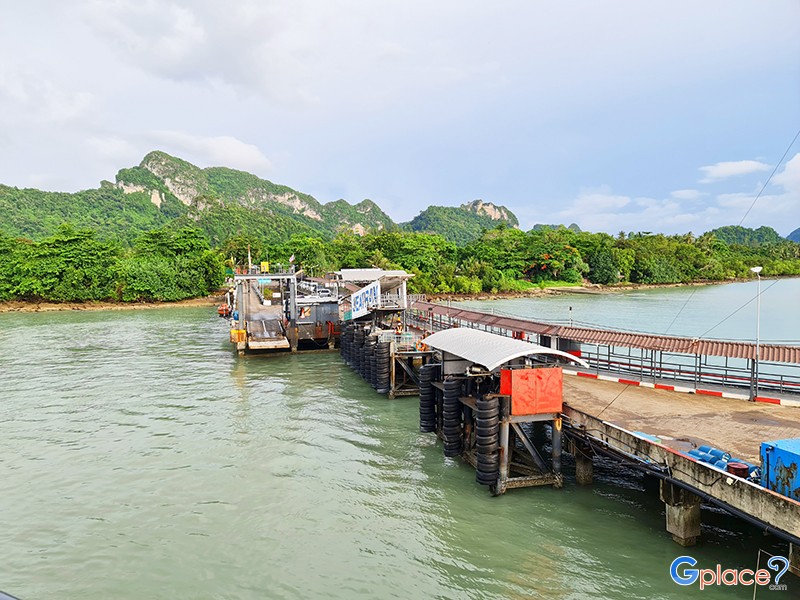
[{"x": 780, "y": 461}]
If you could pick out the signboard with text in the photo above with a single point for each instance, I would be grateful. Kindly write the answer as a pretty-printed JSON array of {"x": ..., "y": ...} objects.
[{"x": 365, "y": 299}]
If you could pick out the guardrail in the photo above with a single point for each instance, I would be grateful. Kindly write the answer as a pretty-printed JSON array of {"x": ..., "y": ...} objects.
[{"x": 640, "y": 364}]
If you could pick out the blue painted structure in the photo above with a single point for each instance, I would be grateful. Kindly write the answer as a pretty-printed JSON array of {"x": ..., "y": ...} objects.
[{"x": 780, "y": 463}]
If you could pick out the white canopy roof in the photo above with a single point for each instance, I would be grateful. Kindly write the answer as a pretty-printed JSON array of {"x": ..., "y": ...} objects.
[
  {"x": 367, "y": 275},
  {"x": 489, "y": 349}
]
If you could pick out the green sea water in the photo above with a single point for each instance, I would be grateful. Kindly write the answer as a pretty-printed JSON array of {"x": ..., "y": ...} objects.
[{"x": 141, "y": 458}]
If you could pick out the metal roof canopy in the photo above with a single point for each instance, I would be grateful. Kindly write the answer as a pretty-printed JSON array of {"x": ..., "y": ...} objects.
[
  {"x": 489, "y": 349},
  {"x": 389, "y": 279}
]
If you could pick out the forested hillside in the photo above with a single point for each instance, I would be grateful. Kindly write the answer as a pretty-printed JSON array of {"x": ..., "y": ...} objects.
[
  {"x": 736, "y": 234},
  {"x": 462, "y": 224},
  {"x": 108, "y": 211},
  {"x": 222, "y": 202},
  {"x": 166, "y": 228}
]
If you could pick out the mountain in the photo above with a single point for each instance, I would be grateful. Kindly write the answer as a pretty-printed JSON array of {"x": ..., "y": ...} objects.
[
  {"x": 572, "y": 227},
  {"x": 163, "y": 176},
  {"x": 35, "y": 214},
  {"x": 744, "y": 236},
  {"x": 225, "y": 203},
  {"x": 794, "y": 236},
  {"x": 461, "y": 224}
]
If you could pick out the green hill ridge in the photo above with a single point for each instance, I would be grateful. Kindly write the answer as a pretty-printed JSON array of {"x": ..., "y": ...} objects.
[
  {"x": 224, "y": 203},
  {"x": 461, "y": 224}
]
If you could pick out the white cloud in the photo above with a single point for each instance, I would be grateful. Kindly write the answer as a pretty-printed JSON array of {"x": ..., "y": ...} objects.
[
  {"x": 28, "y": 97},
  {"x": 686, "y": 194},
  {"x": 217, "y": 151},
  {"x": 161, "y": 35},
  {"x": 789, "y": 178},
  {"x": 113, "y": 148},
  {"x": 723, "y": 170},
  {"x": 683, "y": 210},
  {"x": 598, "y": 201}
]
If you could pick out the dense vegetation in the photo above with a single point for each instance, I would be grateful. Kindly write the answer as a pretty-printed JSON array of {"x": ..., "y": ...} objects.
[
  {"x": 176, "y": 262},
  {"x": 115, "y": 243},
  {"x": 459, "y": 224},
  {"x": 744, "y": 236},
  {"x": 74, "y": 266},
  {"x": 108, "y": 211},
  {"x": 507, "y": 259}
]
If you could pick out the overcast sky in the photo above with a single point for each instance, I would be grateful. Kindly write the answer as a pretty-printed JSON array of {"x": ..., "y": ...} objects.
[{"x": 627, "y": 115}]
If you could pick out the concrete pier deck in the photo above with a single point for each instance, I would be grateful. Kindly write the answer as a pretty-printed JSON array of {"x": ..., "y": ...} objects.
[{"x": 685, "y": 421}]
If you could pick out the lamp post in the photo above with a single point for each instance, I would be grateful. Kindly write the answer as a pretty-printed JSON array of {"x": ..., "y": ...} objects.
[{"x": 757, "y": 271}]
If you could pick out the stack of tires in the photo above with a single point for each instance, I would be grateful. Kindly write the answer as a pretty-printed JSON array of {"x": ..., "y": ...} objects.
[
  {"x": 346, "y": 342},
  {"x": 382, "y": 366},
  {"x": 355, "y": 352},
  {"x": 451, "y": 418},
  {"x": 366, "y": 358},
  {"x": 427, "y": 398},
  {"x": 373, "y": 365},
  {"x": 487, "y": 440}
]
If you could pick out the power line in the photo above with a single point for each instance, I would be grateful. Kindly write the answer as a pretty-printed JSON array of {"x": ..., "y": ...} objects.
[
  {"x": 680, "y": 311},
  {"x": 736, "y": 311},
  {"x": 766, "y": 183}
]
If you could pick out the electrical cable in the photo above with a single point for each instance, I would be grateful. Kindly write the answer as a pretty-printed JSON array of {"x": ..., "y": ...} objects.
[
  {"x": 612, "y": 402},
  {"x": 736, "y": 311},
  {"x": 766, "y": 183},
  {"x": 680, "y": 311}
]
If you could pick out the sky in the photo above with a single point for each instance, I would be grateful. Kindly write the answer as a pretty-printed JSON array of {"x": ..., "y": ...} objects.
[{"x": 618, "y": 116}]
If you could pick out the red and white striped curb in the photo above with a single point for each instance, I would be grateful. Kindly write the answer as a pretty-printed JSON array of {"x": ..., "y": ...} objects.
[{"x": 684, "y": 389}]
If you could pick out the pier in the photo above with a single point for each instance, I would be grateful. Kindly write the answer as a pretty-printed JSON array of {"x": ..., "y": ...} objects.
[
  {"x": 646, "y": 423},
  {"x": 275, "y": 312},
  {"x": 509, "y": 396}
]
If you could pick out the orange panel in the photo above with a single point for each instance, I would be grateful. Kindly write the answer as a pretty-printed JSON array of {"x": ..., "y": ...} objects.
[{"x": 532, "y": 391}]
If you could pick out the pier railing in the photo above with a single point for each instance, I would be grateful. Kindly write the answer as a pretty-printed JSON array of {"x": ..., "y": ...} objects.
[{"x": 714, "y": 363}]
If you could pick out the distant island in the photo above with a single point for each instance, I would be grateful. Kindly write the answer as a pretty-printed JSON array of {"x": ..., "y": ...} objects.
[{"x": 166, "y": 230}]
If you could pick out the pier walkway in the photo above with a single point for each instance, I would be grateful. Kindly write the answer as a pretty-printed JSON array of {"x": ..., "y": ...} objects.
[
  {"x": 685, "y": 421},
  {"x": 642, "y": 420},
  {"x": 707, "y": 367}
]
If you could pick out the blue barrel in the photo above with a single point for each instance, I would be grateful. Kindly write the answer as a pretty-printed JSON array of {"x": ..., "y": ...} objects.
[
  {"x": 694, "y": 452},
  {"x": 708, "y": 458},
  {"x": 719, "y": 453},
  {"x": 721, "y": 464},
  {"x": 704, "y": 449}
]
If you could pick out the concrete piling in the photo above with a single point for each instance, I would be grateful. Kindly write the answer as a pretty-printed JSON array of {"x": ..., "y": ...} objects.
[
  {"x": 584, "y": 467},
  {"x": 683, "y": 513}
]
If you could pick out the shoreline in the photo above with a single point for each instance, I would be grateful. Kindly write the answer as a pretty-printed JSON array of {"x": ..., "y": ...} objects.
[
  {"x": 596, "y": 289},
  {"x": 215, "y": 299},
  {"x": 31, "y": 307}
]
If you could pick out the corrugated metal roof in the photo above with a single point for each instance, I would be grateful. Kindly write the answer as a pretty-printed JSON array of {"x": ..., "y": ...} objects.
[
  {"x": 646, "y": 341},
  {"x": 488, "y": 349}
]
